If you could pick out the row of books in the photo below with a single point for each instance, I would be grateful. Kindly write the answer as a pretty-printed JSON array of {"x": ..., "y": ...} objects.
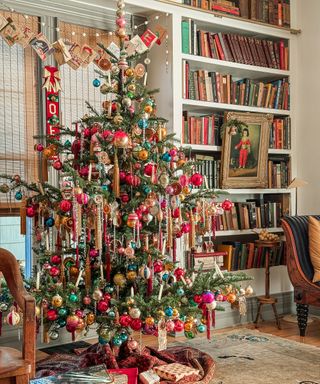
[
  {"x": 279, "y": 173},
  {"x": 274, "y": 12},
  {"x": 252, "y": 214},
  {"x": 220, "y": 88},
  {"x": 209, "y": 167},
  {"x": 205, "y": 130},
  {"x": 234, "y": 47},
  {"x": 280, "y": 134},
  {"x": 247, "y": 255}
]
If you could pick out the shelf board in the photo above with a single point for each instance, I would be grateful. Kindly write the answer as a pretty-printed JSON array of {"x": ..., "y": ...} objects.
[
  {"x": 246, "y": 231},
  {"x": 257, "y": 191},
  {"x": 217, "y": 148},
  {"x": 237, "y": 70},
  {"x": 206, "y": 106}
]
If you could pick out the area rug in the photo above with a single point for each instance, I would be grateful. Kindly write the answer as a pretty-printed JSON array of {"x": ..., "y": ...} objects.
[
  {"x": 251, "y": 357},
  {"x": 65, "y": 348}
]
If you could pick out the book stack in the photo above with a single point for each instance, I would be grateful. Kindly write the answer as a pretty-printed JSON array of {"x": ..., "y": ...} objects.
[
  {"x": 203, "y": 129},
  {"x": 209, "y": 167},
  {"x": 279, "y": 172},
  {"x": 280, "y": 134},
  {"x": 274, "y": 12},
  {"x": 247, "y": 255},
  {"x": 234, "y": 47},
  {"x": 254, "y": 213},
  {"x": 220, "y": 88}
]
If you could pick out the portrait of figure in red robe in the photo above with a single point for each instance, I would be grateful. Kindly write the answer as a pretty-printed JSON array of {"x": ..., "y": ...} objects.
[{"x": 244, "y": 147}]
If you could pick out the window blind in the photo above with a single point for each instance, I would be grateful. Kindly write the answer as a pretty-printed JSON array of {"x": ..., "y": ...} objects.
[
  {"x": 77, "y": 85},
  {"x": 19, "y": 111}
]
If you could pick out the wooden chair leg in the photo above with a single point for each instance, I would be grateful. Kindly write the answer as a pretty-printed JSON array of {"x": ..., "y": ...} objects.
[
  {"x": 24, "y": 379},
  {"x": 302, "y": 316},
  {"x": 276, "y": 315},
  {"x": 258, "y": 314}
]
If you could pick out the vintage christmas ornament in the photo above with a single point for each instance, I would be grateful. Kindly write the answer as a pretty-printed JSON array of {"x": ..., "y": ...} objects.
[{"x": 57, "y": 301}]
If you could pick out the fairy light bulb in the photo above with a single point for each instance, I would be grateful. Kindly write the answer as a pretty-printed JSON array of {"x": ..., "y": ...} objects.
[
  {"x": 73, "y": 33},
  {"x": 58, "y": 29},
  {"x": 97, "y": 34},
  {"x": 84, "y": 34}
]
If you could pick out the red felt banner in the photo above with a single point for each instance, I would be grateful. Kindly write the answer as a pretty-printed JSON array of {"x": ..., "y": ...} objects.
[{"x": 52, "y": 114}]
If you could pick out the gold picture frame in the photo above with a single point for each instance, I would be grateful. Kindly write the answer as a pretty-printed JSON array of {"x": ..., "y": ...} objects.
[{"x": 245, "y": 150}]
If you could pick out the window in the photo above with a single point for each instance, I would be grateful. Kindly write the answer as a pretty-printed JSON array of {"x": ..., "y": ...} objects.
[{"x": 19, "y": 120}]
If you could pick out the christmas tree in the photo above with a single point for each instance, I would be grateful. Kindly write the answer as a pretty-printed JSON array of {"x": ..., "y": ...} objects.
[{"x": 105, "y": 238}]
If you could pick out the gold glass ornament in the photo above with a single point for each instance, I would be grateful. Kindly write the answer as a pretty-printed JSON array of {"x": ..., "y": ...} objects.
[
  {"x": 130, "y": 72},
  {"x": 161, "y": 313},
  {"x": 104, "y": 89},
  {"x": 48, "y": 152},
  {"x": 161, "y": 133},
  {"x": 119, "y": 280},
  {"x": 90, "y": 318},
  {"x": 131, "y": 87},
  {"x": 149, "y": 321},
  {"x": 175, "y": 312},
  {"x": 131, "y": 275},
  {"x": 74, "y": 271},
  {"x": 57, "y": 301},
  {"x": 38, "y": 311},
  {"x": 186, "y": 190},
  {"x": 81, "y": 325},
  {"x": 181, "y": 163},
  {"x": 118, "y": 119},
  {"x": 143, "y": 155},
  {"x": 188, "y": 326},
  {"x": 148, "y": 109}
]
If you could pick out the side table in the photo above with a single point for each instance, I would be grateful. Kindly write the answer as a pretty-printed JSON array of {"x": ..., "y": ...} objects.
[{"x": 266, "y": 299}]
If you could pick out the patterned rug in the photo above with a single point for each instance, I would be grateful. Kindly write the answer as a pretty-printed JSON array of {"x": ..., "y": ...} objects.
[{"x": 251, "y": 357}]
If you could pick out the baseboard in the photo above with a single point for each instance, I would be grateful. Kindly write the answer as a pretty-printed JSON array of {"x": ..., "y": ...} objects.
[{"x": 227, "y": 318}]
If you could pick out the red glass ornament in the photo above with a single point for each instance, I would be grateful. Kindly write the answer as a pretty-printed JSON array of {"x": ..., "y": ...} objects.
[
  {"x": 39, "y": 147},
  {"x": 150, "y": 169},
  {"x": 184, "y": 180},
  {"x": 125, "y": 320},
  {"x": 226, "y": 205},
  {"x": 176, "y": 213},
  {"x": 136, "y": 324},
  {"x": 55, "y": 259},
  {"x": 76, "y": 147},
  {"x": 87, "y": 132},
  {"x": 185, "y": 227},
  {"x": 144, "y": 209},
  {"x": 124, "y": 197},
  {"x": 82, "y": 198},
  {"x": 79, "y": 313},
  {"x": 129, "y": 179},
  {"x": 122, "y": 176},
  {"x": 197, "y": 299},
  {"x": 84, "y": 171},
  {"x": 54, "y": 271},
  {"x": 114, "y": 107},
  {"x": 139, "y": 213},
  {"x": 57, "y": 165},
  {"x": 158, "y": 266},
  {"x": 52, "y": 315},
  {"x": 93, "y": 253},
  {"x": 136, "y": 181},
  {"x": 169, "y": 190},
  {"x": 178, "y": 325},
  {"x": 107, "y": 297},
  {"x": 163, "y": 204},
  {"x": 65, "y": 205},
  {"x": 70, "y": 328},
  {"x": 102, "y": 306},
  {"x": 106, "y": 134},
  {"x": 179, "y": 272},
  {"x": 137, "y": 165},
  {"x": 30, "y": 211},
  {"x": 173, "y": 152},
  {"x": 72, "y": 321},
  {"x": 196, "y": 179},
  {"x": 86, "y": 300}
]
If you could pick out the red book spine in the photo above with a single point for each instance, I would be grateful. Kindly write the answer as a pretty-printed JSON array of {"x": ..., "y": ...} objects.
[
  {"x": 282, "y": 65},
  {"x": 220, "y": 50},
  {"x": 205, "y": 130},
  {"x": 280, "y": 14},
  {"x": 187, "y": 80}
]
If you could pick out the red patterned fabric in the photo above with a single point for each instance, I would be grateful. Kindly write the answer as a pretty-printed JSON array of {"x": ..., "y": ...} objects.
[{"x": 149, "y": 358}]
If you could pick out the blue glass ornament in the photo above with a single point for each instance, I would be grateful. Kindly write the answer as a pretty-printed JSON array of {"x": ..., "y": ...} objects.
[
  {"x": 180, "y": 291},
  {"x": 18, "y": 195},
  {"x": 147, "y": 145},
  {"x": 165, "y": 276},
  {"x": 111, "y": 314},
  {"x": 96, "y": 83},
  {"x": 201, "y": 328},
  {"x": 132, "y": 267},
  {"x": 73, "y": 297},
  {"x": 146, "y": 189},
  {"x": 143, "y": 123},
  {"x": 49, "y": 222},
  {"x": 102, "y": 341},
  {"x": 168, "y": 311},
  {"x": 123, "y": 336},
  {"x": 62, "y": 312},
  {"x": 116, "y": 341},
  {"x": 133, "y": 245},
  {"x": 166, "y": 157},
  {"x": 105, "y": 187}
]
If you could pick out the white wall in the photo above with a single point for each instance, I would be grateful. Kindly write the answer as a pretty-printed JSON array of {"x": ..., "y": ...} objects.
[{"x": 308, "y": 105}]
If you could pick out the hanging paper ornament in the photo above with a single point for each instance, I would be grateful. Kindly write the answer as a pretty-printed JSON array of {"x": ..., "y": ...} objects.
[
  {"x": 57, "y": 301},
  {"x": 13, "y": 317}
]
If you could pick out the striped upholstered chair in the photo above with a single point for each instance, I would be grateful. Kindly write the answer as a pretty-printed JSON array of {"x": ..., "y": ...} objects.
[{"x": 300, "y": 268}]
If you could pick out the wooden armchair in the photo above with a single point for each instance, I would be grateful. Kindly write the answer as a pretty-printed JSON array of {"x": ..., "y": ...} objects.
[
  {"x": 300, "y": 268},
  {"x": 17, "y": 367}
]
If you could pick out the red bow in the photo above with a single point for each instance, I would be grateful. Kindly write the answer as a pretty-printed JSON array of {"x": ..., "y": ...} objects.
[{"x": 52, "y": 79}]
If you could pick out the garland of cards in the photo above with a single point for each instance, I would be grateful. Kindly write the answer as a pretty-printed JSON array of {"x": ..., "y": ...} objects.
[{"x": 73, "y": 54}]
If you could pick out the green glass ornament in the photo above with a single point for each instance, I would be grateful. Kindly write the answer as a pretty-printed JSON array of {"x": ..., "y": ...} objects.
[
  {"x": 180, "y": 291},
  {"x": 67, "y": 144},
  {"x": 192, "y": 303},
  {"x": 130, "y": 95},
  {"x": 62, "y": 323},
  {"x": 109, "y": 288},
  {"x": 117, "y": 341},
  {"x": 62, "y": 312},
  {"x": 147, "y": 145},
  {"x": 123, "y": 336},
  {"x": 146, "y": 189},
  {"x": 111, "y": 314},
  {"x": 18, "y": 195},
  {"x": 201, "y": 328},
  {"x": 73, "y": 297},
  {"x": 189, "y": 335}
]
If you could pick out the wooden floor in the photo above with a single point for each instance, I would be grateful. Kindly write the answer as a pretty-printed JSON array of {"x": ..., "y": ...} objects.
[{"x": 289, "y": 331}]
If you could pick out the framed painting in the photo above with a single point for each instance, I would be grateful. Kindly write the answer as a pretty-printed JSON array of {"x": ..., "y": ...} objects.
[{"x": 245, "y": 150}]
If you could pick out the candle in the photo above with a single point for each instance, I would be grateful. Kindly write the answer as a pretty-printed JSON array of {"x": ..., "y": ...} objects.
[
  {"x": 145, "y": 79},
  {"x": 163, "y": 247},
  {"x": 131, "y": 292},
  {"x": 38, "y": 279},
  {"x": 79, "y": 277},
  {"x": 90, "y": 172},
  {"x": 160, "y": 292},
  {"x": 183, "y": 280}
]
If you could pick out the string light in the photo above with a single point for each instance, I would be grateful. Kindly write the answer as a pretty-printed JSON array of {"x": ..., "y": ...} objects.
[
  {"x": 84, "y": 34},
  {"x": 58, "y": 29}
]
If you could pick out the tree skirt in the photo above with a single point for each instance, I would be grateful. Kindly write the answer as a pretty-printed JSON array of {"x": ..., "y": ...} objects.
[{"x": 147, "y": 359}]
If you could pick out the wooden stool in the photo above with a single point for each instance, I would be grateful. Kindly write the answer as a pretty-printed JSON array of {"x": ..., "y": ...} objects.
[{"x": 266, "y": 299}]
